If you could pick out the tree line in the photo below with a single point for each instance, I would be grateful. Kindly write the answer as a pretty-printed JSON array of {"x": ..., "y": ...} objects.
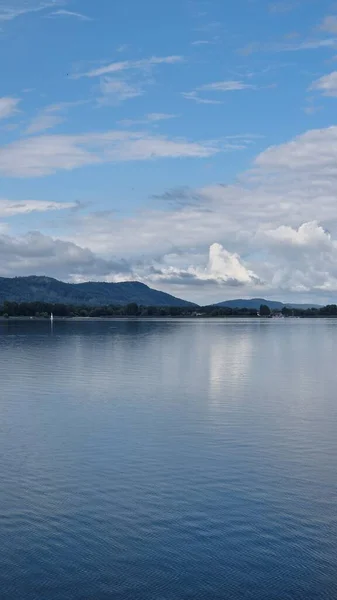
[{"x": 44, "y": 309}]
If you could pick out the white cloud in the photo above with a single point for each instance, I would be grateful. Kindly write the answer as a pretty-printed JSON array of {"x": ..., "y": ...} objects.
[
  {"x": 11, "y": 9},
  {"x": 273, "y": 223},
  {"x": 309, "y": 235},
  {"x": 154, "y": 117},
  {"x": 43, "y": 122},
  {"x": 8, "y": 106},
  {"x": 224, "y": 265},
  {"x": 149, "y": 118},
  {"x": 305, "y": 258},
  {"x": 115, "y": 90},
  {"x": 326, "y": 84},
  {"x": 307, "y": 45},
  {"x": 123, "y": 80},
  {"x": 122, "y": 48},
  {"x": 221, "y": 268},
  {"x": 217, "y": 86},
  {"x": 313, "y": 152},
  {"x": 35, "y": 253},
  {"x": 42, "y": 155},
  {"x": 47, "y": 119},
  {"x": 69, "y": 13},
  {"x": 201, "y": 43},
  {"x": 143, "y": 64},
  {"x": 276, "y": 225},
  {"x": 302, "y": 45},
  {"x": 281, "y": 7},
  {"x": 10, "y": 208},
  {"x": 196, "y": 98},
  {"x": 225, "y": 86}
]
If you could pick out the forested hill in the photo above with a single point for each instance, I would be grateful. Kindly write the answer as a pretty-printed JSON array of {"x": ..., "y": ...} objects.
[
  {"x": 255, "y": 303},
  {"x": 47, "y": 289}
]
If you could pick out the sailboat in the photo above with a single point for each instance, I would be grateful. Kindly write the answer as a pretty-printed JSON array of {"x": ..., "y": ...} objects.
[{"x": 51, "y": 317}]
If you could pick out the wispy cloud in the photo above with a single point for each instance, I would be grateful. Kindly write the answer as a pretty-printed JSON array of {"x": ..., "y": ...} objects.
[
  {"x": 43, "y": 122},
  {"x": 114, "y": 90},
  {"x": 144, "y": 64},
  {"x": 282, "y": 7},
  {"x": 196, "y": 98},
  {"x": 225, "y": 86},
  {"x": 120, "y": 81},
  {"x": 329, "y": 24},
  {"x": 311, "y": 107},
  {"x": 42, "y": 155},
  {"x": 10, "y": 208},
  {"x": 201, "y": 43},
  {"x": 311, "y": 44},
  {"x": 122, "y": 48},
  {"x": 11, "y": 9},
  {"x": 149, "y": 118},
  {"x": 48, "y": 118},
  {"x": 8, "y": 106},
  {"x": 217, "y": 86},
  {"x": 308, "y": 45},
  {"x": 69, "y": 13},
  {"x": 326, "y": 84}
]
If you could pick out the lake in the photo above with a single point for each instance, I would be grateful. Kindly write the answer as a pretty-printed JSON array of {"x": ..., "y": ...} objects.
[{"x": 168, "y": 460}]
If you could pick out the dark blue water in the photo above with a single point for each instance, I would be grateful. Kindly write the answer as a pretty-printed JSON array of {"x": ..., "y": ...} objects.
[{"x": 168, "y": 460}]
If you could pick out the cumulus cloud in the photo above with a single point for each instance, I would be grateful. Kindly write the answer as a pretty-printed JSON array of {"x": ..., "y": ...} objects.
[
  {"x": 309, "y": 235},
  {"x": 304, "y": 258},
  {"x": 225, "y": 266},
  {"x": 40, "y": 254},
  {"x": 222, "y": 268},
  {"x": 276, "y": 227},
  {"x": 266, "y": 225},
  {"x": 313, "y": 151}
]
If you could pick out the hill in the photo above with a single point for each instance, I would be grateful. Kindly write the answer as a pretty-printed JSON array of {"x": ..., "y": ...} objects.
[
  {"x": 91, "y": 293},
  {"x": 256, "y": 303}
]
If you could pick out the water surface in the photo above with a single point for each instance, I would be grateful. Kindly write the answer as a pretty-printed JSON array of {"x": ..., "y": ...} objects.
[{"x": 168, "y": 460}]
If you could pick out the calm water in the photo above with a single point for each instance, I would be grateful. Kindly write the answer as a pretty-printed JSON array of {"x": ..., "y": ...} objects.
[{"x": 168, "y": 460}]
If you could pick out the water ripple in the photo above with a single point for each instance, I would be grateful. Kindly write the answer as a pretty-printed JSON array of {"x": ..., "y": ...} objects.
[{"x": 168, "y": 460}]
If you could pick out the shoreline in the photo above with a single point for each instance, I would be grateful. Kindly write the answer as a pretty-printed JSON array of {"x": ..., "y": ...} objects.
[{"x": 161, "y": 318}]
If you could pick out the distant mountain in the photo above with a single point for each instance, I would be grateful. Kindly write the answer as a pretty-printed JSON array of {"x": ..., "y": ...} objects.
[
  {"x": 256, "y": 303},
  {"x": 47, "y": 289}
]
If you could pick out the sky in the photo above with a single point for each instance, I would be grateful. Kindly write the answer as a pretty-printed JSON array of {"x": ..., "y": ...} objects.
[{"x": 187, "y": 144}]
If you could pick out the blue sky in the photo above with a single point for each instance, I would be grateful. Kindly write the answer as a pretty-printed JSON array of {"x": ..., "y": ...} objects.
[{"x": 188, "y": 144}]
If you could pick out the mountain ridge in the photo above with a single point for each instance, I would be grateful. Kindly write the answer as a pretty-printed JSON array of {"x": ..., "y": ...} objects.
[
  {"x": 255, "y": 303},
  {"x": 41, "y": 288},
  {"x": 35, "y": 288}
]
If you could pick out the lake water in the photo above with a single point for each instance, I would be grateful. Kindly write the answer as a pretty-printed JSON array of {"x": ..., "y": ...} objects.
[{"x": 168, "y": 460}]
